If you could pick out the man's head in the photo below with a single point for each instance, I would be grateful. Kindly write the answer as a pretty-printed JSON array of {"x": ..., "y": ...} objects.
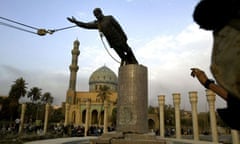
[{"x": 98, "y": 13}]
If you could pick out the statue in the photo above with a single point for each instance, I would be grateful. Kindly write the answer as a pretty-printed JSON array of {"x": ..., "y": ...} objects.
[{"x": 110, "y": 28}]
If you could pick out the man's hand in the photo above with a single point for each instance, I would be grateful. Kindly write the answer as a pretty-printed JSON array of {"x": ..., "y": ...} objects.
[
  {"x": 72, "y": 20},
  {"x": 201, "y": 76}
]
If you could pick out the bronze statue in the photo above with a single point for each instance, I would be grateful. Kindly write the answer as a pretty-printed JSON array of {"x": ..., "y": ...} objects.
[{"x": 113, "y": 32}]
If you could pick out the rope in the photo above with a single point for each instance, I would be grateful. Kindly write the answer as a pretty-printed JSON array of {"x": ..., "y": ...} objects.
[
  {"x": 18, "y": 23},
  {"x": 40, "y": 32},
  {"x": 64, "y": 28},
  {"x": 8, "y": 25},
  {"x": 101, "y": 36},
  {"x": 43, "y": 32}
]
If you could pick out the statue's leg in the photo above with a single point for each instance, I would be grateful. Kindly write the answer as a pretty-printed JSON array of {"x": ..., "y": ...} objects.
[
  {"x": 121, "y": 54},
  {"x": 131, "y": 59}
]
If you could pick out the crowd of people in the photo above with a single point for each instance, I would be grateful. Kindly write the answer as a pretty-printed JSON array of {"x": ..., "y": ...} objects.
[{"x": 56, "y": 129}]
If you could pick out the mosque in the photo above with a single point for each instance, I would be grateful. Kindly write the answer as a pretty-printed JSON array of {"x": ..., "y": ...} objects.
[{"x": 83, "y": 107}]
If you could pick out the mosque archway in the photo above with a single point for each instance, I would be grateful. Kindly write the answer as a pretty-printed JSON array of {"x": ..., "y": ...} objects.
[
  {"x": 151, "y": 124},
  {"x": 73, "y": 116},
  {"x": 83, "y": 116},
  {"x": 94, "y": 117},
  {"x": 101, "y": 117}
]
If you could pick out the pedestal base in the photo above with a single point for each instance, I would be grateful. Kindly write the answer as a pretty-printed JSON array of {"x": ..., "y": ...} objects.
[
  {"x": 128, "y": 138},
  {"x": 132, "y": 105}
]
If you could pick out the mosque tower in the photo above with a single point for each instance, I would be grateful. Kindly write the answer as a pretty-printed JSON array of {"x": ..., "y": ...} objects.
[{"x": 71, "y": 95}]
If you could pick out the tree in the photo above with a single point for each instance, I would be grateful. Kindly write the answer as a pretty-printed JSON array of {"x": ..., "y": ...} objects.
[
  {"x": 18, "y": 90},
  {"x": 56, "y": 115},
  {"x": 5, "y": 110},
  {"x": 151, "y": 110},
  {"x": 169, "y": 115},
  {"x": 34, "y": 94},
  {"x": 47, "y": 98},
  {"x": 103, "y": 94}
]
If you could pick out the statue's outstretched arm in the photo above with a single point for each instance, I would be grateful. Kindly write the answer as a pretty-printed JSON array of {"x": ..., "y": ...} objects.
[{"x": 89, "y": 25}]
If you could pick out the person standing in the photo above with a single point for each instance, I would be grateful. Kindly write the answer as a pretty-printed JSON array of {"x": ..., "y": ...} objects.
[{"x": 17, "y": 124}]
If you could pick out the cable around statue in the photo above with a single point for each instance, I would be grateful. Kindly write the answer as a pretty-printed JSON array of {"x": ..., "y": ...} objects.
[{"x": 113, "y": 32}]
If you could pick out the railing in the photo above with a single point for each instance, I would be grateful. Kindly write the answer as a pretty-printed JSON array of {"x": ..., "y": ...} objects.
[{"x": 193, "y": 98}]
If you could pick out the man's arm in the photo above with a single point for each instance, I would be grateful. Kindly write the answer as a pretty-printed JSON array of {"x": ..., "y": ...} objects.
[
  {"x": 89, "y": 25},
  {"x": 203, "y": 79}
]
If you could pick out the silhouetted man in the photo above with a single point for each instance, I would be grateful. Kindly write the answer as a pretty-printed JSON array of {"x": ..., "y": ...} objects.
[
  {"x": 113, "y": 32},
  {"x": 223, "y": 18}
]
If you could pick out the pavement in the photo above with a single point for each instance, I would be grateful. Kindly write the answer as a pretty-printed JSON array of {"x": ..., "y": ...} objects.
[{"x": 71, "y": 140}]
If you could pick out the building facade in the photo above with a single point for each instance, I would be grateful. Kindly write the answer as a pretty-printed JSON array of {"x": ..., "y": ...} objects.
[
  {"x": 83, "y": 107},
  {"x": 87, "y": 107}
]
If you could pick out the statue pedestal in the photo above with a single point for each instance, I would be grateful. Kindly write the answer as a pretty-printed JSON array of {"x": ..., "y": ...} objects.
[
  {"x": 120, "y": 138},
  {"x": 132, "y": 105},
  {"x": 132, "y": 109}
]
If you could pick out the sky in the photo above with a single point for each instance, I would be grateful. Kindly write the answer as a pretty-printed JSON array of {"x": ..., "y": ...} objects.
[{"x": 161, "y": 33}]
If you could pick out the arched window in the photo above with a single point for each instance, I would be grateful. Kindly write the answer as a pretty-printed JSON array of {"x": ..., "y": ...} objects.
[
  {"x": 151, "y": 124},
  {"x": 74, "y": 117},
  {"x": 83, "y": 116},
  {"x": 94, "y": 117}
]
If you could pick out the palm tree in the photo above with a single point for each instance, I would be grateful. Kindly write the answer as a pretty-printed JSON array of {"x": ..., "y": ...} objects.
[
  {"x": 35, "y": 95},
  {"x": 18, "y": 90},
  {"x": 47, "y": 98},
  {"x": 169, "y": 115},
  {"x": 103, "y": 94}
]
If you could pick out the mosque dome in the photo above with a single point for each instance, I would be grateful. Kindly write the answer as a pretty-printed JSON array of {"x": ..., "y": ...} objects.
[{"x": 103, "y": 76}]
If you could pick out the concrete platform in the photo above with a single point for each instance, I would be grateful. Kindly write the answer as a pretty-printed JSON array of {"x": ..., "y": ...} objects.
[
  {"x": 71, "y": 140},
  {"x": 128, "y": 138}
]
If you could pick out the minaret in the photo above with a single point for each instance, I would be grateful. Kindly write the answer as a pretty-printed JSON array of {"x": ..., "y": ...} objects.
[{"x": 73, "y": 73}]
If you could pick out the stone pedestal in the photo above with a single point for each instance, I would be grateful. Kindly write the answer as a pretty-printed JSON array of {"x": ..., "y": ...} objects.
[
  {"x": 132, "y": 109},
  {"x": 129, "y": 138},
  {"x": 132, "y": 99}
]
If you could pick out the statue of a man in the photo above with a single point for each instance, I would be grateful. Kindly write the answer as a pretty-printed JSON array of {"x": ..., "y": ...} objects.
[{"x": 113, "y": 32}]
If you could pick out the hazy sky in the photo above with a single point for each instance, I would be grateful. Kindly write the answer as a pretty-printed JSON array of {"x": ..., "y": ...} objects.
[{"x": 162, "y": 34}]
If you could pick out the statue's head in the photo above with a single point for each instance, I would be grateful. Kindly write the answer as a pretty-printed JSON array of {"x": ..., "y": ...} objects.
[{"x": 98, "y": 13}]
